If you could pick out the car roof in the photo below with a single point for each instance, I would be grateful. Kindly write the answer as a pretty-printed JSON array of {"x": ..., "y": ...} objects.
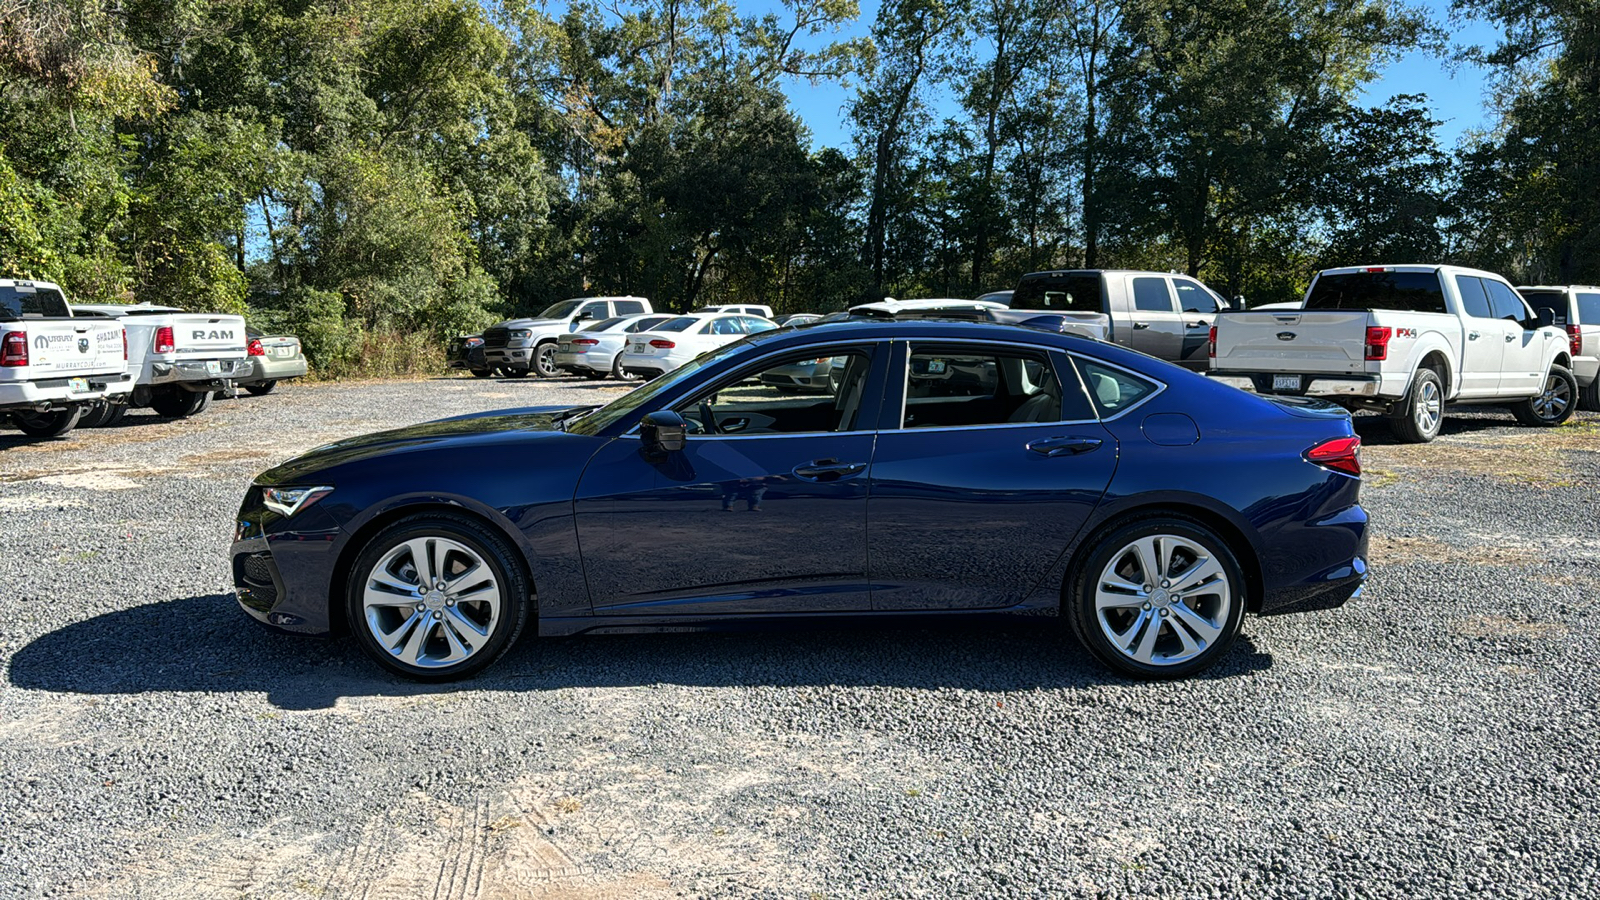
[{"x": 30, "y": 282}]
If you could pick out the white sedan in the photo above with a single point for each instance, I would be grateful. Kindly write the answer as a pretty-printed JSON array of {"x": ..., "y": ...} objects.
[
  {"x": 597, "y": 349},
  {"x": 676, "y": 341}
]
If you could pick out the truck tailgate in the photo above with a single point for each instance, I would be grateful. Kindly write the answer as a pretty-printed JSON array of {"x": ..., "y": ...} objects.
[
  {"x": 1291, "y": 340},
  {"x": 208, "y": 337},
  {"x": 68, "y": 347}
]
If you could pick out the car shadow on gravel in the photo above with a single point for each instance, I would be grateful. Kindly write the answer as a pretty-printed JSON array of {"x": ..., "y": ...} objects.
[
  {"x": 214, "y": 648},
  {"x": 1374, "y": 430}
]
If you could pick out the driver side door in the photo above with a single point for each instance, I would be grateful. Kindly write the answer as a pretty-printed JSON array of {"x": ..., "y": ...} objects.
[{"x": 762, "y": 511}]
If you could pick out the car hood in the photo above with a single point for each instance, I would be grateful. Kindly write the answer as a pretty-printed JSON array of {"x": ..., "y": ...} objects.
[
  {"x": 457, "y": 430},
  {"x": 534, "y": 323}
]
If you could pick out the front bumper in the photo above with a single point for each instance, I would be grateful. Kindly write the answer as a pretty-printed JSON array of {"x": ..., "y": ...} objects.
[
  {"x": 281, "y": 568},
  {"x": 509, "y": 355},
  {"x": 46, "y": 392}
]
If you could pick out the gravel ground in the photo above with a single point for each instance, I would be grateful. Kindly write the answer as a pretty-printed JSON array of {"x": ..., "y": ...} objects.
[{"x": 1437, "y": 737}]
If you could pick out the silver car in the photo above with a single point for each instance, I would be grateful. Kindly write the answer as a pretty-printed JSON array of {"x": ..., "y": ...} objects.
[
  {"x": 596, "y": 350},
  {"x": 271, "y": 358},
  {"x": 807, "y": 376}
]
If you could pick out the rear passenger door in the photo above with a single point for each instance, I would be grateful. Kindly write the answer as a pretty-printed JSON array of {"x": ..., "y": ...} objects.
[
  {"x": 1522, "y": 369},
  {"x": 1155, "y": 326},
  {"x": 989, "y": 460}
]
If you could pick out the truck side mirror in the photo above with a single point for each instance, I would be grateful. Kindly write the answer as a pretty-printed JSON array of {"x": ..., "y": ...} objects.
[{"x": 663, "y": 432}]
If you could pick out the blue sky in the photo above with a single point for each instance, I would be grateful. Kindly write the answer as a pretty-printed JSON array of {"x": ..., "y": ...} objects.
[{"x": 1455, "y": 90}]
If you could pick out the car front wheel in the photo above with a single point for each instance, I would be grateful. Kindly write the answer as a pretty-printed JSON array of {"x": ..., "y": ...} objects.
[
  {"x": 436, "y": 597},
  {"x": 1158, "y": 598},
  {"x": 544, "y": 360}
]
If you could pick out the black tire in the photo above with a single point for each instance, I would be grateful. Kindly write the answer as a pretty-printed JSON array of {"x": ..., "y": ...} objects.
[
  {"x": 1419, "y": 418},
  {"x": 114, "y": 416},
  {"x": 618, "y": 373},
  {"x": 1552, "y": 406},
  {"x": 1590, "y": 399},
  {"x": 51, "y": 424},
  {"x": 482, "y": 373},
  {"x": 1219, "y": 604},
  {"x": 544, "y": 360},
  {"x": 511, "y": 605},
  {"x": 96, "y": 416},
  {"x": 177, "y": 403},
  {"x": 262, "y": 388},
  {"x": 509, "y": 372}
]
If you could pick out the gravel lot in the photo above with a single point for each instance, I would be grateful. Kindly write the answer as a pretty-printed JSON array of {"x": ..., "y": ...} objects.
[{"x": 1438, "y": 737}]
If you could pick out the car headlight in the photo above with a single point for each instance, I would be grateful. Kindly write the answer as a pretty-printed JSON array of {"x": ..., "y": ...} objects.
[
  {"x": 286, "y": 501},
  {"x": 521, "y": 334}
]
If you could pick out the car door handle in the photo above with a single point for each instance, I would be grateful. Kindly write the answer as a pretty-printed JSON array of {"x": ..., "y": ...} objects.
[
  {"x": 1473, "y": 335},
  {"x": 1064, "y": 446},
  {"x": 828, "y": 470},
  {"x": 1200, "y": 324},
  {"x": 1510, "y": 338},
  {"x": 1139, "y": 326}
]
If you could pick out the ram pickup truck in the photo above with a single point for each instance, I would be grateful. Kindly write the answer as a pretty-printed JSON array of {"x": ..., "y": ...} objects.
[
  {"x": 178, "y": 360},
  {"x": 519, "y": 346},
  {"x": 54, "y": 367},
  {"x": 1404, "y": 341},
  {"x": 1577, "y": 309},
  {"x": 1162, "y": 315}
]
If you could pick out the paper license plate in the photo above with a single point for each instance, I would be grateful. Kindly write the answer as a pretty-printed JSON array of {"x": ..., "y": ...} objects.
[
  {"x": 566, "y": 348},
  {"x": 78, "y": 385},
  {"x": 1286, "y": 382}
]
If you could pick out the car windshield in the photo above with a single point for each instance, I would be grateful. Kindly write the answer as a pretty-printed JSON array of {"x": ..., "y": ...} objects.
[
  {"x": 19, "y": 301},
  {"x": 1398, "y": 291},
  {"x": 606, "y": 416},
  {"x": 681, "y": 323},
  {"x": 602, "y": 325},
  {"x": 560, "y": 310}
]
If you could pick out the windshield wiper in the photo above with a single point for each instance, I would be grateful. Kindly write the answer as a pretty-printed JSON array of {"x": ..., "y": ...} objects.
[{"x": 573, "y": 414}]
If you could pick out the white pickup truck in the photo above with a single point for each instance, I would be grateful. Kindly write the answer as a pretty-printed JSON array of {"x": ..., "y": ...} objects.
[
  {"x": 1405, "y": 341},
  {"x": 178, "y": 360},
  {"x": 54, "y": 367}
]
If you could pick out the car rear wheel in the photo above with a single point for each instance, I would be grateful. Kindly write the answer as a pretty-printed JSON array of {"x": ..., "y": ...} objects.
[
  {"x": 1554, "y": 404},
  {"x": 51, "y": 424},
  {"x": 619, "y": 373},
  {"x": 544, "y": 360},
  {"x": 1420, "y": 417},
  {"x": 262, "y": 388},
  {"x": 436, "y": 597},
  {"x": 1158, "y": 598},
  {"x": 176, "y": 403}
]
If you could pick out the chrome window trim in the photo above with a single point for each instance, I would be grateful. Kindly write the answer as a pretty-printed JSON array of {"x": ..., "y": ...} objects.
[
  {"x": 905, "y": 393},
  {"x": 1161, "y": 386}
]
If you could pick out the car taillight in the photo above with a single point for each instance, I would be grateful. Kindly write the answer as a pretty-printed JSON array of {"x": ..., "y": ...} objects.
[
  {"x": 1575, "y": 337},
  {"x": 255, "y": 348},
  {"x": 1378, "y": 341},
  {"x": 164, "y": 342},
  {"x": 584, "y": 342},
  {"x": 663, "y": 344},
  {"x": 1339, "y": 454},
  {"x": 1211, "y": 343},
  {"x": 14, "y": 352},
  {"x": 124, "y": 345}
]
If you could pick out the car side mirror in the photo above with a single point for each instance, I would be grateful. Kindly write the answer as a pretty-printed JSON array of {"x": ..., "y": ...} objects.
[{"x": 663, "y": 432}]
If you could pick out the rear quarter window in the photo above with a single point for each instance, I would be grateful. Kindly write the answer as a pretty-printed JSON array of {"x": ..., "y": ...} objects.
[
  {"x": 1589, "y": 308},
  {"x": 1397, "y": 291},
  {"x": 1113, "y": 390}
]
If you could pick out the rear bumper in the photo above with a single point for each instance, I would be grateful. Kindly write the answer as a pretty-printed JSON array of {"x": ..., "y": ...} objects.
[
  {"x": 1585, "y": 369},
  {"x": 196, "y": 374},
  {"x": 59, "y": 392},
  {"x": 645, "y": 367},
  {"x": 1312, "y": 385},
  {"x": 594, "y": 361},
  {"x": 1317, "y": 564},
  {"x": 265, "y": 368}
]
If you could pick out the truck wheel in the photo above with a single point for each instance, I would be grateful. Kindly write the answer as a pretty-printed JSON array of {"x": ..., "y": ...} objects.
[
  {"x": 482, "y": 373},
  {"x": 261, "y": 389},
  {"x": 1591, "y": 396},
  {"x": 544, "y": 360},
  {"x": 176, "y": 403},
  {"x": 51, "y": 424},
  {"x": 1552, "y": 406},
  {"x": 102, "y": 415},
  {"x": 1418, "y": 418}
]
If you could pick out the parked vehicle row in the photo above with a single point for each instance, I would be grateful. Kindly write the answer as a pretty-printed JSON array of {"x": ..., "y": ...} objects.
[
  {"x": 68, "y": 365},
  {"x": 517, "y": 347}
]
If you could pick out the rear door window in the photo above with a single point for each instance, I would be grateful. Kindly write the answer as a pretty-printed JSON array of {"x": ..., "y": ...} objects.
[
  {"x": 25, "y": 301},
  {"x": 968, "y": 386},
  {"x": 1397, "y": 291},
  {"x": 1504, "y": 302},
  {"x": 1193, "y": 297},
  {"x": 629, "y": 307},
  {"x": 1151, "y": 295},
  {"x": 1473, "y": 297}
]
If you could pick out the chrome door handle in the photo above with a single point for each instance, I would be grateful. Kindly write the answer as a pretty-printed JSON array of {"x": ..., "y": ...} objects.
[
  {"x": 1064, "y": 446},
  {"x": 1200, "y": 324},
  {"x": 1139, "y": 326}
]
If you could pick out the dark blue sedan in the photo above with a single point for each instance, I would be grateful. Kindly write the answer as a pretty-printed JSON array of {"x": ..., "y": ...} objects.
[{"x": 950, "y": 469}]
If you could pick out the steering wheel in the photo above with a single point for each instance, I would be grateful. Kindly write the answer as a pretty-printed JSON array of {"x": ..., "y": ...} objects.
[{"x": 708, "y": 418}]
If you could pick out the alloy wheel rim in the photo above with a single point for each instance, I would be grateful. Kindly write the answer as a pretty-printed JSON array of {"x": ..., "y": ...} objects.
[
  {"x": 1553, "y": 402},
  {"x": 1430, "y": 408},
  {"x": 1163, "y": 600},
  {"x": 547, "y": 360},
  {"x": 431, "y": 602}
]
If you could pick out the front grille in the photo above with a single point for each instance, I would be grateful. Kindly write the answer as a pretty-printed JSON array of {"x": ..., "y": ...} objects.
[{"x": 496, "y": 337}]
